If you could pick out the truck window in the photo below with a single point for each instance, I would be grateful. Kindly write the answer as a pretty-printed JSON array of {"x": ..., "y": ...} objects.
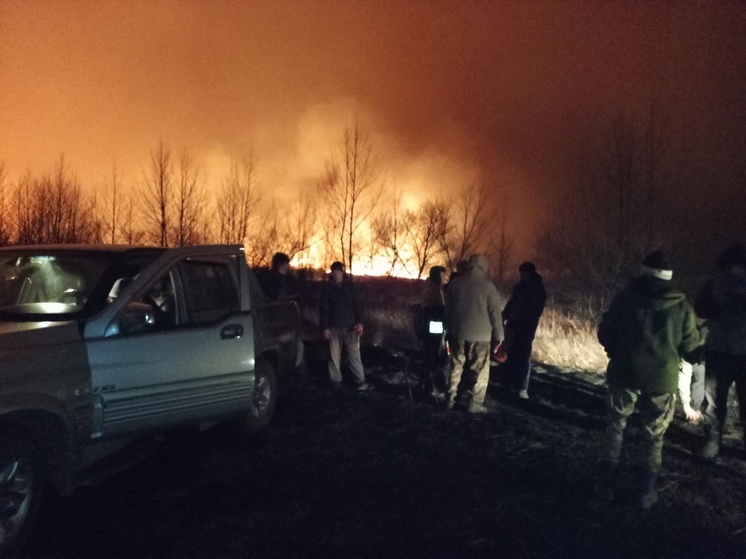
[{"x": 211, "y": 290}]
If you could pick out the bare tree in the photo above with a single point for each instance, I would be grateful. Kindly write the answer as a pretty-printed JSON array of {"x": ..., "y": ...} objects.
[
  {"x": 130, "y": 234},
  {"x": 262, "y": 240},
  {"x": 189, "y": 203},
  {"x": 157, "y": 194},
  {"x": 390, "y": 232},
  {"x": 429, "y": 223},
  {"x": 611, "y": 214},
  {"x": 470, "y": 224},
  {"x": 238, "y": 198},
  {"x": 5, "y": 226},
  {"x": 112, "y": 206},
  {"x": 297, "y": 230},
  {"x": 501, "y": 245},
  {"x": 52, "y": 209},
  {"x": 350, "y": 188}
]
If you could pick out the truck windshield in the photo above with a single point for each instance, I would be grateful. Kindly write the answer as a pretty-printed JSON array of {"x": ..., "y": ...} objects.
[{"x": 48, "y": 284}]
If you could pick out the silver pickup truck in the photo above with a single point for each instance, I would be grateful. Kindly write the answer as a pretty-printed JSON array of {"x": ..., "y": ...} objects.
[{"x": 105, "y": 343}]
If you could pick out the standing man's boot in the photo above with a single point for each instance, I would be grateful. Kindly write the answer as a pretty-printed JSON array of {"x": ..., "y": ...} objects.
[
  {"x": 605, "y": 484},
  {"x": 648, "y": 496},
  {"x": 711, "y": 446}
]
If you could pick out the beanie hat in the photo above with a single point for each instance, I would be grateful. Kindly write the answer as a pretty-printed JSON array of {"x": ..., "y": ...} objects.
[
  {"x": 338, "y": 266},
  {"x": 656, "y": 264},
  {"x": 279, "y": 259},
  {"x": 528, "y": 267}
]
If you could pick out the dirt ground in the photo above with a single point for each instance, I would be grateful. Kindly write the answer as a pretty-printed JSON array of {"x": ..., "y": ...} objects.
[{"x": 388, "y": 473}]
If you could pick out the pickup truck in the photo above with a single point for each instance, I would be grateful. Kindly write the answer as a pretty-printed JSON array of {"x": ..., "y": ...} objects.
[{"x": 104, "y": 343}]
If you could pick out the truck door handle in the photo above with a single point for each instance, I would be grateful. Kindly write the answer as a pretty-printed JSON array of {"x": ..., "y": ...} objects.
[{"x": 231, "y": 331}]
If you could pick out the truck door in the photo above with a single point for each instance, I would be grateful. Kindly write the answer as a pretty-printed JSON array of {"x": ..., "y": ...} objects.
[{"x": 194, "y": 359}]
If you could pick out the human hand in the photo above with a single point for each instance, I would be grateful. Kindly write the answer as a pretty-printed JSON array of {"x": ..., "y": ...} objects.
[
  {"x": 327, "y": 334},
  {"x": 692, "y": 415},
  {"x": 358, "y": 329}
]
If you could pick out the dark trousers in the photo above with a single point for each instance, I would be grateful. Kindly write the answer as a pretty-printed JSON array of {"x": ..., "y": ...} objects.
[
  {"x": 435, "y": 365},
  {"x": 518, "y": 365},
  {"x": 722, "y": 371}
]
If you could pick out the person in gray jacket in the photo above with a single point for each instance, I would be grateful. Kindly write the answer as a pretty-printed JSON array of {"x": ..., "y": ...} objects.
[
  {"x": 723, "y": 303},
  {"x": 473, "y": 323}
]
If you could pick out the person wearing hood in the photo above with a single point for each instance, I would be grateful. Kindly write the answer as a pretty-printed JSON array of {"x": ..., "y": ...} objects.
[
  {"x": 722, "y": 302},
  {"x": 647, "y": 330},
  {"x": 473, "y": 324},
  {"x": 432, "y": 334},
  {"x": 521, "y": 318}
]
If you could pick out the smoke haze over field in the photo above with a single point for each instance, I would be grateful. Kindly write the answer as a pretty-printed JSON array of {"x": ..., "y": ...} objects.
[{"x": 452, "y": 92}]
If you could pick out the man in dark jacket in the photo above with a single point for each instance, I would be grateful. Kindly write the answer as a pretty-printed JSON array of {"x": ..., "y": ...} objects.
[
  {"x": 723, "y": 303},
  {"x": 340, "y": 318},
  {"x": 647, "y": 330},
  {"x": 279, "y": 284},
  {"x": 521, "y": 318}
]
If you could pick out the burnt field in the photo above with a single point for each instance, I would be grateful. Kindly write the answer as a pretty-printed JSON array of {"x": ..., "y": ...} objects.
[{"x": 388, "y": 473}]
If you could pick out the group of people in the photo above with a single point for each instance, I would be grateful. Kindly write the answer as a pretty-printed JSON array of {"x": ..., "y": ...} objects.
[
  {"x": 655, "y": 339},
  {"x": 472, "y": 326},
  {"x": 659, "y": 346}
]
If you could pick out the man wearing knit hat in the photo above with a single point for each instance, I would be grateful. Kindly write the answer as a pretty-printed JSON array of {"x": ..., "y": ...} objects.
[
  {"x": 521, "y": 318},
  {"x": 646, "y": 331}
]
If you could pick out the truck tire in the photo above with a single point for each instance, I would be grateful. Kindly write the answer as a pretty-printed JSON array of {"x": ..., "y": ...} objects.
[
  {"x": 21, "y": 490},
  {"x": 265, "y": 397}
]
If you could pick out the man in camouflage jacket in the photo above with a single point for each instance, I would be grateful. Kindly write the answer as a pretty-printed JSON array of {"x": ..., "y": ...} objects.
[{"x": 648, "y": 328}]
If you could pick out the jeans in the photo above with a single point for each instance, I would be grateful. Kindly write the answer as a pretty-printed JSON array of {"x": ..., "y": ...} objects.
[
  {"x": 722, "y": 371},
  {"x": 518, "y": 365},
  {"x": 348, "y": 339}
]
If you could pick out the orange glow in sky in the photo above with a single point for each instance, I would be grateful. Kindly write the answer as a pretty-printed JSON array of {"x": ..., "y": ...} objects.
[{"x": 450, "y": 92}]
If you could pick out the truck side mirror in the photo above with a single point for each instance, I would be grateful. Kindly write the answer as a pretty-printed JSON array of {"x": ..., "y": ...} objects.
[{"x": 135, "y": 317}]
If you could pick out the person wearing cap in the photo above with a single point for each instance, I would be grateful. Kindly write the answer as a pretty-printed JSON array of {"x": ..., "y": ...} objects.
[
  {"x": 340, "y": 319},
  {"x": 722, "y": 302},
  {"x": 473, "y": 324},
  {"x": 521, "y": 319},
  {"x": 646, "y": 331},
  {"x": 432, "y": 333}
]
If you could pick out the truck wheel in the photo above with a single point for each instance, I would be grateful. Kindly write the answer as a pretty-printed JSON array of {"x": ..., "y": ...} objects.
[
  {"x": 21, "y": 490},
  {"x": 265, "y": 396}
]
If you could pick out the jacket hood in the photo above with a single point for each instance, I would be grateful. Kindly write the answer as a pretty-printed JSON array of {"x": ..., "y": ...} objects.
[
  {"x": 479, "y": 262},
  {"x": 649, "y": 292}
]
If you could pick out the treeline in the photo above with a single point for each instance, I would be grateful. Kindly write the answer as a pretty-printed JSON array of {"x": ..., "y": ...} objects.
[{"x": 351, "y": 214}]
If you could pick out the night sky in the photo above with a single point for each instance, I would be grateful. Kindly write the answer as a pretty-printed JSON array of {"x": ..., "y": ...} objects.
[{"x": 452, "y": 92}]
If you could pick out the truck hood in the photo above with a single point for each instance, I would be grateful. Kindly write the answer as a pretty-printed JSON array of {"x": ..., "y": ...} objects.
[{"x": 18, "y": 337}]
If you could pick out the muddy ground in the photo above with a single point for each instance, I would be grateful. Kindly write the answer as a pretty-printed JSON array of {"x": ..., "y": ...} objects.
[{"x": 389, "y": 474}]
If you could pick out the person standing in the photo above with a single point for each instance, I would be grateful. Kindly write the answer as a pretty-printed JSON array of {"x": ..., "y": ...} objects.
[
  {"x": 722, "y": 302},
  {"x": 521, "y": 318},
  {"x": 432, "y": 333},
  {"x": 473, "y": 324},
  {"x": 647, "y": 330},
  {"x": 279, "y": 283},
  {"x": 340, "y": 319}
]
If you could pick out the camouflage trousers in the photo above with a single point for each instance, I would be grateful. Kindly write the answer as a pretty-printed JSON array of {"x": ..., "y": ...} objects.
[
  {"x": 470, "y": 370},
  {"x": 656, "y": 413}
]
